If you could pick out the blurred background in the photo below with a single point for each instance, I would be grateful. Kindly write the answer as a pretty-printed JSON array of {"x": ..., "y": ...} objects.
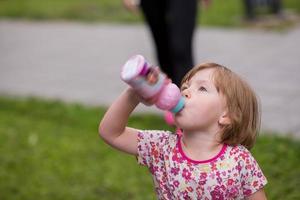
[{"x": 60, "y": 66}]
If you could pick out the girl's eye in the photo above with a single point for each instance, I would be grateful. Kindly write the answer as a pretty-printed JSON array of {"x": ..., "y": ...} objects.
[{"x": 203, "y": 89}]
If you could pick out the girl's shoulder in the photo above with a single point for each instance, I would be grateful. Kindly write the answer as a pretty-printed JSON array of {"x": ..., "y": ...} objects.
[
  {"x": 239, "y": 152},
  {"x": 153, "y": 144},
  {"x": 157, "y": 136},
  {"x": 155, "y": 132}
]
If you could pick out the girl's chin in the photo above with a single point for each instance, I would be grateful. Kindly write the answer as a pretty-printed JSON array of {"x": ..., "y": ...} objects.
[
  {"x": 177, "y": 120},
  {"x": 180, "y": 123}
]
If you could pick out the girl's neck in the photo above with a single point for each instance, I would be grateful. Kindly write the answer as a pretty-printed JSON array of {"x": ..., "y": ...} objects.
[{"x": 201, "y": 145}]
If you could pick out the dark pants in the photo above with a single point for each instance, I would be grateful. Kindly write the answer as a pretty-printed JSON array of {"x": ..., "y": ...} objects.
[
  {"x": 172, "y": 24},
  {"x": 250, "y": 5}
]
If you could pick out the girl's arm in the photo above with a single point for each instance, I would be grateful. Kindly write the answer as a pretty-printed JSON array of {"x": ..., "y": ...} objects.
[
  {"x": 259, "y": 195},
  {"x": 113, "y": 128}
]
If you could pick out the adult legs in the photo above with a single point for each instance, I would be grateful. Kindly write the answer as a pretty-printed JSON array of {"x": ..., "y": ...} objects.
[
  {"x": 155, "y": 14},
  {"x": 181, "y": 20},
  {"x": 276, "y": 6},
  {"x": 250, "y": 9}
]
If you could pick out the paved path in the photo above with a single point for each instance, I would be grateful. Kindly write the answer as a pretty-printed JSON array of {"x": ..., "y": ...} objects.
[{"x": 81, "y": 62}]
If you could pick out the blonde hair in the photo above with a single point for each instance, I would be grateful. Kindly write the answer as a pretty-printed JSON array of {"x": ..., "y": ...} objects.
[{"x": 242, "y": 104}]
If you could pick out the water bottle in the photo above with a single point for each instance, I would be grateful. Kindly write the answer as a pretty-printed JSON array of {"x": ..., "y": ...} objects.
[{"x": 148, "y": 83}]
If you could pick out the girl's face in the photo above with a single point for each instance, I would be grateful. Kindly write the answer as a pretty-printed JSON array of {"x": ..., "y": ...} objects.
[{"x": 204, "y": 106}]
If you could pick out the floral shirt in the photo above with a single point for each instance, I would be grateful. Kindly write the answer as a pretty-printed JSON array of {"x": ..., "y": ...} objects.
[{"x": 232, "y": 174}]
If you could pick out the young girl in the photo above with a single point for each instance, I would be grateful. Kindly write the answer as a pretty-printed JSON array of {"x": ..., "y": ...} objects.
[{"x": 210, "y": 160}]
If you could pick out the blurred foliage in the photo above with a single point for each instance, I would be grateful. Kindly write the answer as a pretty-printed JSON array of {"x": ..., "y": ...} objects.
[
  {"x": 85, "y": 10},
  {"x": 220, "y": 13},
  {"x": 51, "y": 150}
]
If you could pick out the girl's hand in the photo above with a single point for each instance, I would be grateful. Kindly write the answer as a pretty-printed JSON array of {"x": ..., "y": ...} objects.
[
  {"x": 140, "y": 99},
  {"x": 131, "y": 5},
  {"x": 150, "y": 101},
  {"x": 136, "y": 98}
]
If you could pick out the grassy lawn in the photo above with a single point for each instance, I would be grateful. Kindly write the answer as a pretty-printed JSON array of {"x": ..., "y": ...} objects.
[
  {"x": 51, "y": 150},
  {"x": 220, "y": 13}
]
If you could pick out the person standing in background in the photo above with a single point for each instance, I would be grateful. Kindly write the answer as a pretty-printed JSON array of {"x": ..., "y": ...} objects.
[
  {"x": 172, "y": 24},
  {"x": 275, "y": 7}
]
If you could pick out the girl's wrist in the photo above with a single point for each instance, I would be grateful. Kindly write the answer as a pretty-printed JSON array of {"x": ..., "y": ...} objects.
[{"x": 132, "y": 95}]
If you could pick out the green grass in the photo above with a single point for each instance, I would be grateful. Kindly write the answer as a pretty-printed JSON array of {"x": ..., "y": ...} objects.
[
  {"x": 220, "y": 13},
  {"x": 51, "y": 150},
  {"x": 83, "y": 10}
]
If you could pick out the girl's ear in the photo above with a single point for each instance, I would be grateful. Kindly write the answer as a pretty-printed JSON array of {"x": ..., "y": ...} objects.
[{"x": 224, "y": 119}]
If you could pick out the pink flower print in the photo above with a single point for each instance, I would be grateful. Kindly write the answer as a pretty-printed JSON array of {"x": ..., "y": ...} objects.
[
  {"x": 190, "y": 165},
  {"x": 217, "y": 193},
  {"x": 203, "y": 179},
  {"x": 236, "y": 159},
  {"x": 141, "y": 135},
  {"x": 255, "y": 184},
  {"x": 161, "y": 139},
  {"x": 247, "y": 192},
  {"x": 222, "y": 157},
  {"x": 234, "y": 151},
  {"x": 259, "y": 175},
  {"x": 212, "y": 176},
  {"x": 244, "y": 155},
  {"x": 164, "y": 177},
  {"x": 154, "y": 152},
  {"x": 213, "y": 166},
  {"x": 232, "y": 192},
  {"x": 186, "y": 195},
  {"x": 175, "y": 170},
  {"x": 199, "y": 191},
  {"x": 140, "y": 148},
  {"x": 172, "y": 188},
  {"x": 230, "y": 181},
  {"x": 176, "y": 157},
  {"x": 243, "y": 183},
  {"x": 190, "y": 189},
  {"x": 219, "y": 179},
  {"x": 152, "y": 144},
  {"x": 186, "y": 174},
  {"x": 153, "y": 169},
  {"x": 203, "y": 175},
  {"x": 202, "y": 182},
  {"x": 166, "y": 157},
  {"x": 238, "y": 167},
  {"x": 161, "y": 156},
  {"x": 176, "y": 183},
  {"x": 248, "y": 167}
]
